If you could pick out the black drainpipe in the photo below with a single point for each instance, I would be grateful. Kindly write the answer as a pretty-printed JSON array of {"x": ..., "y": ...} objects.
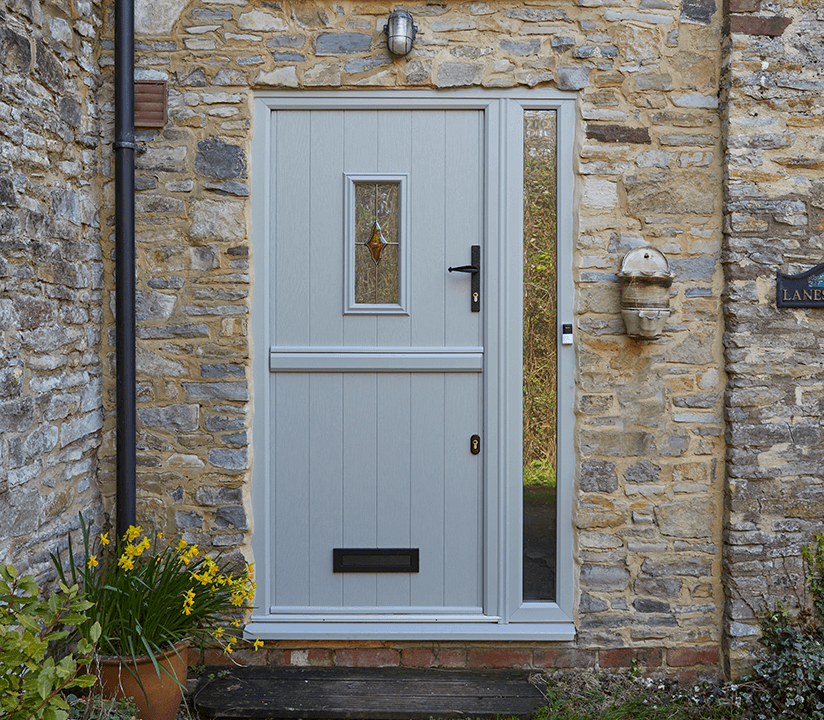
[{"x": 124, "y": 150}]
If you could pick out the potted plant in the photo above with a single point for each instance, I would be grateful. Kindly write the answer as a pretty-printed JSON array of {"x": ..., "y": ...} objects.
[{"x": 151, "y": 600}]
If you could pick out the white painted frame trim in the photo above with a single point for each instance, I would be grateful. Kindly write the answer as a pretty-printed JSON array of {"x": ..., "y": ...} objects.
[
  {"x": 402, "y": 306},
  {"x": 506, "y": 616}
]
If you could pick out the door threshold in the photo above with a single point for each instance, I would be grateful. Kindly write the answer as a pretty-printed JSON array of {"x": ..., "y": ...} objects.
[
  {"x": 339, "y": 693},
  {"x": 441, "y": 630}
]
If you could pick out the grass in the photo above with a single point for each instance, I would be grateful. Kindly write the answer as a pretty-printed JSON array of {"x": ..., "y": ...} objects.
[
  {"x": 587, "y": 695},
  {"x": 590, "y": 695}
]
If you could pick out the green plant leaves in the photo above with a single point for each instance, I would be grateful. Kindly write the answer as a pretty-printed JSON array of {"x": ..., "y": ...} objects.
[{"x": 32, "y": 674}]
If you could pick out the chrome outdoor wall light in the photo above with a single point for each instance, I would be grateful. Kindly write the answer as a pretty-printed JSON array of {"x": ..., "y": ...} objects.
[
  {"x": 645, "y": 281},
  {"x": 400, "y": 32}
]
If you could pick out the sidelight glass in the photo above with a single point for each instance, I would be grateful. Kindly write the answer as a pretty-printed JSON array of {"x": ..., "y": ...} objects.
[
  {"x": 540, "y": 356},
  {"x": 377, "y": 229}
]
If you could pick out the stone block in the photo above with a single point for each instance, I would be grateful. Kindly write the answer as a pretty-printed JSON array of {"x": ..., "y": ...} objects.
[
  {"x": 604, "y": 578},
  {"x": 572, "y": 77},
  {"x": 753, "y": 25},
  {"x": 48, "y": 69},
  {"x": 645, "y": 605},
  {"x": 175, "y": 418},
  {"x": 186, "y": 520},
  {"x": 659, "y": 569},
  {"x": 231, "y": 516},
  {"x": 261, "y": 20},
  {"x": 618, "y": 134},
  {"x": 219, "y": 159},
  {"x": 218, "y": 496},
  {"x": 342, "y": 43},
  {"x": 456, "y": 74},
  {"x": 216, "y": 391},
  {"x": 692, "y": 193},
  {"x": 229, "y": 459},
  {"x": 325, "y": 74},
  {"x": 698, "y": 11},
  {"x": 598, "y": 476},
  {"x": 522, "y": 48},
  {"x": 153, "y": 305},
  {"x": 15, "y": 51},
  {"x": 538, "y": 14},
  {"x": 590, "y": 604},
  {"x": 642, "y": 472},
  {"x": 668, "y": 588},
  {"x": 291, "y": 41},
  {"x": 279, "y": 77},
  {"x": 222, "y": 220}
]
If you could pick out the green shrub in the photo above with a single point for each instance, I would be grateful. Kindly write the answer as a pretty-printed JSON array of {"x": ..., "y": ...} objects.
[
  {"x": 788, "y": 681},
  {"x": 32, "y": 675}
]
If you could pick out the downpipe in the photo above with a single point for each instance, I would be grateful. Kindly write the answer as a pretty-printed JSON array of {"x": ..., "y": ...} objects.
[{"x": 124, "y": 152}]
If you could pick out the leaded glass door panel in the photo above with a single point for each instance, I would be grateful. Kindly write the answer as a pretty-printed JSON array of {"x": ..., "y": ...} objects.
[{"x": 376, "y": 364}]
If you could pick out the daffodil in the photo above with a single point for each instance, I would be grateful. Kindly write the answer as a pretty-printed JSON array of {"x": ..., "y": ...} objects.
[
  {"x": 93, "y": 561},
  {"x": 133, "y": 533},
  {"x": 257, "y": 644},
  {"x": 104, "y": 538}
]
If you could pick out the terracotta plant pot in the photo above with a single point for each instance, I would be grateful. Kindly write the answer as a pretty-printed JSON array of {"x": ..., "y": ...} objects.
[{"x": 159, "y": 698}]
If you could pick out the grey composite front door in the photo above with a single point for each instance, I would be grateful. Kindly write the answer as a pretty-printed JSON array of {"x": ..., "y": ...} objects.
[{"x": 376, "y": 359}]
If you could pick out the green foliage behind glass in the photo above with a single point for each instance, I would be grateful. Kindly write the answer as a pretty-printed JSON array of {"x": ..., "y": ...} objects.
[{"x": 540, "y": 305}]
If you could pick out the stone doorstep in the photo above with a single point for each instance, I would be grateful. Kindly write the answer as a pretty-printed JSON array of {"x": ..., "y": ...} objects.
[{"x": 367, "y": 693}]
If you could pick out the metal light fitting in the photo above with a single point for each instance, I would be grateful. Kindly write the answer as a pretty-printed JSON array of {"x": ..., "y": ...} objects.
[{"x": 400, "y": 32}]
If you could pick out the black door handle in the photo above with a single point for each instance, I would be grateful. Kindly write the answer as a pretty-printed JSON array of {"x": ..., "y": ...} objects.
[{"x": 475, "y": 270}]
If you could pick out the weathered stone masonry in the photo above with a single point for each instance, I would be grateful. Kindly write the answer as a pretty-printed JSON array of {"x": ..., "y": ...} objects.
[
  {"x": 51, "y": 275},
  {"x": 774, "y": 218},
  {"x": 648, "y": 169},
  {"x": 697, "y": 133}
]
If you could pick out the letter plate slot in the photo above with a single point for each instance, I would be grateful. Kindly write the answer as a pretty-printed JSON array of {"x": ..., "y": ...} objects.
[{"x": 371, "y": 560}]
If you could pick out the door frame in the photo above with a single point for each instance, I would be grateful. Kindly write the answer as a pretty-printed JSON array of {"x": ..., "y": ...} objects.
[{"x": 505, "y": 617}]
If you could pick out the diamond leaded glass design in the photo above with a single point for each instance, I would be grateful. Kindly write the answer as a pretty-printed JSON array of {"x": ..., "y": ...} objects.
[{"x": 377, "y": 229}]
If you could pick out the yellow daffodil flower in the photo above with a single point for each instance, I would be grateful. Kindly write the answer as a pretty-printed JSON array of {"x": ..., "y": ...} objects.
[
  {"x": 104, "y": 538},
  {"x": 257, "y": 644},
  {"x": 93, "y": 561}
]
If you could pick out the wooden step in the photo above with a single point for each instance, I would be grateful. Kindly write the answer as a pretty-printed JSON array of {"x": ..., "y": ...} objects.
[{"x": 367, "y": 693}]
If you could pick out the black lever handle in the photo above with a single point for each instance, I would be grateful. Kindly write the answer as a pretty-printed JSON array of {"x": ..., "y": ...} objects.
[{"x": 475, "y": 270}]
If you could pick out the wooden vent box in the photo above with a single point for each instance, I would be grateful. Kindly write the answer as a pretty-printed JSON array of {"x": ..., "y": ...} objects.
[{"x": 149, "y": 103}]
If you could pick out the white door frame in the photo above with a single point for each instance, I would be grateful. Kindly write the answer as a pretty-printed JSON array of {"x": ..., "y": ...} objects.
[{"x": 505, "y": 617}]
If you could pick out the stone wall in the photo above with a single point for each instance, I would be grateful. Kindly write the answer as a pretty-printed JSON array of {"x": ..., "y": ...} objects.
[
  {"x": 51, "y": 275},
  {"x": 650, "y": 447},
  {"x": 774, "y": 222}
]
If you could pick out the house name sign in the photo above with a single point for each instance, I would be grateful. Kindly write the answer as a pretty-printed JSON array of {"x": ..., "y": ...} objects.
[{"x": 805, "y": 290}]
